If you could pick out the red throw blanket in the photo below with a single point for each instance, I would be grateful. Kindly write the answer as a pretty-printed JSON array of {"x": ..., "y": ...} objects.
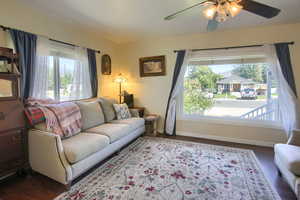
[
  {"x": 63, "y": 119},
  {"x": 34, "y": 115}
]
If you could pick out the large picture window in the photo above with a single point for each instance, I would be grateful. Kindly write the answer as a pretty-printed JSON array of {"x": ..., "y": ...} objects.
[
  {"x": 62, "y": 72},
  {"x": 239, "y": 87}
]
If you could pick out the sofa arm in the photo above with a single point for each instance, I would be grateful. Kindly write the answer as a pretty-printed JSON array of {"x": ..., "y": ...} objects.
[
  {"x": 134, "y": 112},
  {"x": 47, "y": 157},
  {"x": 295, "y": 138}
]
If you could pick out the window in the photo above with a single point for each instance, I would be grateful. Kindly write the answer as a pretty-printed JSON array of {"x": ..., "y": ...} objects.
[
  {"x": 227, "y": 87},
  {"x": 62, "y": 72}
]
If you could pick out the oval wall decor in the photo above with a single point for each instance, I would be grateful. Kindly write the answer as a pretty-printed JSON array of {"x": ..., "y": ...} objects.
[{"x": 106, "y": 65}]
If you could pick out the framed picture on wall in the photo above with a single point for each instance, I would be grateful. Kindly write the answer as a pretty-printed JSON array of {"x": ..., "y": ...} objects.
[
  {"x": 153, "y": 66},
  {"x": 106, "y": 65}
]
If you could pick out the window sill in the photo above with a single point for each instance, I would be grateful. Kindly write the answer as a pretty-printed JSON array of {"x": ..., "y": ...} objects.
[
  {"x": 85, "y": 99},
  {"x": 231, "y": 121}
]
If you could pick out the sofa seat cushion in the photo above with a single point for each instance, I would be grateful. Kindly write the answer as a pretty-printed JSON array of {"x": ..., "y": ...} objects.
[
  {"x": 80, "y": 146},
  {"x": 113, "y": 131},
  {"x": 289, "y": 156},
  {"x": 133, "y": 122}
]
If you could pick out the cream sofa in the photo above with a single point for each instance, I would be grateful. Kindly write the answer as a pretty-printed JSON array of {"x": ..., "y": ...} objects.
[
  {"x": 65, "y": 159},
  {"x": 287, "y": 160}
]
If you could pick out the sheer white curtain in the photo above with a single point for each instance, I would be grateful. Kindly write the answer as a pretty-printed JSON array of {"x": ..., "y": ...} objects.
[
  {"x": 174, "y": 99},
  {"x": 41, "y": 84},
  {"x": 61, "y": 72},
  {"x": 42, "y": 69},
  {"x": 286, "y": 98},
  {"x": 81, "y": 85}
]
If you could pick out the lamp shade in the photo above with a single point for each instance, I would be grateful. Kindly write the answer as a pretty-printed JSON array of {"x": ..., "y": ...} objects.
[
  {"x": 235, "y": 9},
  {"x": 210, "y": 12},
  {"x": 120, "y": 79}
]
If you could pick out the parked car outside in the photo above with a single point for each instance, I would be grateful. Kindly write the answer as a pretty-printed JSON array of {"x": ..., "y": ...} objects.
[{"x": 248, "y": 93}]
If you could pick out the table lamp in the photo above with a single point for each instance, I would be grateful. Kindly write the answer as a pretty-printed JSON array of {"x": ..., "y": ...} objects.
[{"x": 120, "y": 79}]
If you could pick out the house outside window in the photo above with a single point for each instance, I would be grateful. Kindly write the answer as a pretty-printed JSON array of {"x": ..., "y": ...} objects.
[{"x": 238, "y": 88}]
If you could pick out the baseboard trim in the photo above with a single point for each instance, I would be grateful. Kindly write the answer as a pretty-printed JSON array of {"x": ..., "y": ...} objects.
[{"x": 226, "y": 139}]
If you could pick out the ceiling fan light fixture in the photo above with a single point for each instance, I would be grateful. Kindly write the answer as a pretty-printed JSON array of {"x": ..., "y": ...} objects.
[
  {"x": 235, "y": 9},
  {"x": 221, "y": 17},
  {"x": 210, "y": 11},
  {"x": 220, "y": 10}
]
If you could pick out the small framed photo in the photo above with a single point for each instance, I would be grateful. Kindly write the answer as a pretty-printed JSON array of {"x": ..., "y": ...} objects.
[{"x": 152, "y": 66}]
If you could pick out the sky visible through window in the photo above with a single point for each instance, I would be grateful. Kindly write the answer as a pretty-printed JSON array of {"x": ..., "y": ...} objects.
[{"x": 218, "y": 69}]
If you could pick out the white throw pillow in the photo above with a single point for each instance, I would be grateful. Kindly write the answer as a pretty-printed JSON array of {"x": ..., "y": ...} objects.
[{"x": 122, "y": 111}]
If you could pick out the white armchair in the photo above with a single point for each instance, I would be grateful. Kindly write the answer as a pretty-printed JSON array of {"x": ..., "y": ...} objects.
[{"x": 287, "y": 160}]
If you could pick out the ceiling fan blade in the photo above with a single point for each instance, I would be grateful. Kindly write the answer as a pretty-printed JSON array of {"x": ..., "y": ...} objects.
[
  {"x": 172, "y": 16},
  {"x": 259, "y": 8},
  {"x": 212, "y": 24}
]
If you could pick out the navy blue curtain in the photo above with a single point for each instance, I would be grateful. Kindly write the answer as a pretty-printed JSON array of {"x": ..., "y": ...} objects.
[
  {"x": 93, "y": 71},
  {"x": 177, "y": 69},
  {"x": 25, "y": 46},
  {"x": 283, "y": 54}
]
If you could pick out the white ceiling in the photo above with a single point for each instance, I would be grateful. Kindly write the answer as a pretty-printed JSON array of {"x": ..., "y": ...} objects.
[{"x": 128, "y": 20}]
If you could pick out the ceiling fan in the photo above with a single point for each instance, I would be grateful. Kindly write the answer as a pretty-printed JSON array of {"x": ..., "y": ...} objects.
[{"x": 217, "y": 11}]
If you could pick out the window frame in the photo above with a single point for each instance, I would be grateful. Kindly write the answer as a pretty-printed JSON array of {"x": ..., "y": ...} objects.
[
  {"x": 51, "y": 70},
  {"x": 57, "y": 81},
  {"x": 222, "y": 120}
]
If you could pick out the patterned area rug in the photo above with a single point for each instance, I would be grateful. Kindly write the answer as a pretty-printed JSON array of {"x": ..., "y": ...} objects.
[{"x": 161, "y": 169}]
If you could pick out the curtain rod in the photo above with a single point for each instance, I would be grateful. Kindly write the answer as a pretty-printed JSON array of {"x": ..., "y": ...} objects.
[
  {"x": 234, "y": 47},
  {"x": 66, "y": 43}
]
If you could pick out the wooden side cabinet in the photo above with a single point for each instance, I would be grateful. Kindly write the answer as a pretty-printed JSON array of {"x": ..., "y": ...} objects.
[
  {"x": 13, "y": 140},
  {"x": 12, "y": 152}
]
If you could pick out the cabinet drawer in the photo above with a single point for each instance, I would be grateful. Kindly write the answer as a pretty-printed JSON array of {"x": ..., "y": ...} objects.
[
  {"x": 11, "y": 146},
  {"x": 12, "y": 115},
  {"x": 11, "y": 165}
]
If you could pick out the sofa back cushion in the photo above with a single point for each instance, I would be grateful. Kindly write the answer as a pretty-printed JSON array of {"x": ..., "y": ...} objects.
[
  {"x": 92, "y": 114},
  {"x": 108, "y": 109}
]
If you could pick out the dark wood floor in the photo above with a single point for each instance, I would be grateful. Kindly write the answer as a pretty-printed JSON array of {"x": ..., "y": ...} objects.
[{"x": 38, "y": 187}]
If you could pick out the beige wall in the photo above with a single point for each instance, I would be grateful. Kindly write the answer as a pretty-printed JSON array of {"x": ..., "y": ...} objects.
[
  {"x": 16, "y": 14},
  {"x": 3, "y": 42},
  {"x": 152, "y": 92}
]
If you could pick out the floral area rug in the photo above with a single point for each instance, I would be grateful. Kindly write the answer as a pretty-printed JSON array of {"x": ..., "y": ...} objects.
[{"x": 162, "y": 169}]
